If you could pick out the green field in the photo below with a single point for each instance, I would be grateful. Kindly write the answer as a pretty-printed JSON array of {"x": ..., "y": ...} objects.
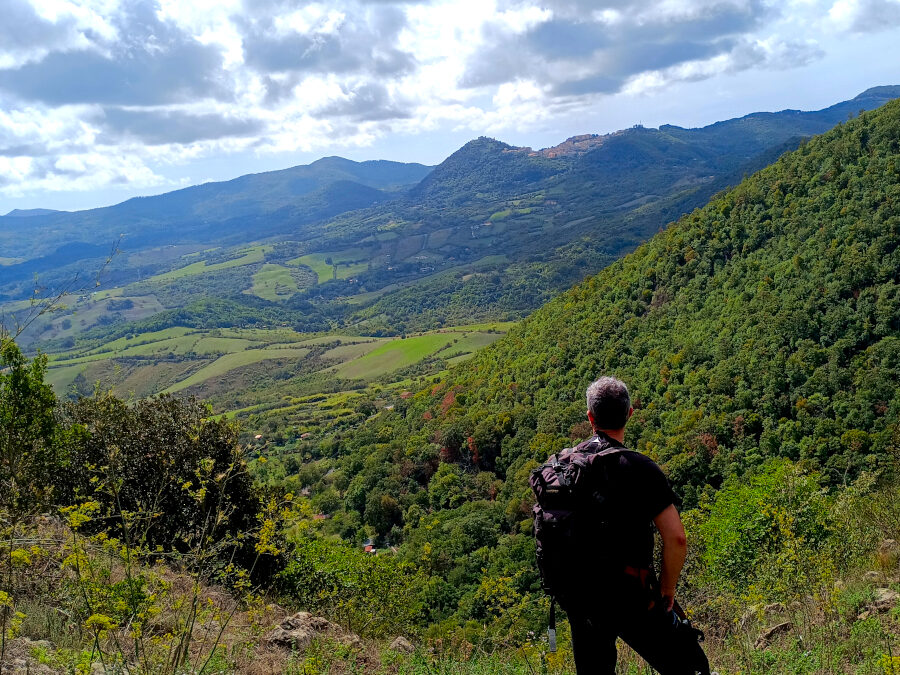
[
  {"x": 487, "y": 261},
  {"x": 177, "y": 359},
  {"x": 221, "y": 345},
  {"x": 108, "y": 293},
  {"x": 273, "y": 283},
  {"x": 497, "y": 326},
  {"x": 254, "y": 254},
  {"x": 144, "y": 338},
  {"x": 351, "y": 270},
  {"x": 351, "y": 351},
  {"x": 60, "y": 378},
  {"x": 315, "y": 262},
  {"x": 470, "y": 343},
  {"x": 229, "y": 362},
  {"x": 263, "y": 334},
  {"x": 345, "y": 264},
  {"x": 325, "y": 339},
  {"x": 169, "y": 341},
  {"x": 394, "y": 355}
]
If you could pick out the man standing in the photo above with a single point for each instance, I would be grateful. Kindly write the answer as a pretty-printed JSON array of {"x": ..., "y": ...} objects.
[{"x": 604, "y": 579}]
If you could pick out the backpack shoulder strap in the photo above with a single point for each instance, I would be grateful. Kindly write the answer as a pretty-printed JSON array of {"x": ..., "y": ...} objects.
[{"x": 613, "y": 450}]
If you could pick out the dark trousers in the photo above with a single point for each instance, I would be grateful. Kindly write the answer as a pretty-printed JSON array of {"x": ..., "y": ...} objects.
[{"x": 670, "y": 649}]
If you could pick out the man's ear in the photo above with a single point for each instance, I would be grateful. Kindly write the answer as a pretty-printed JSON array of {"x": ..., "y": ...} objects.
[
  {"x": 590, "y": 418},
  {"x": 630, "y": 412}
]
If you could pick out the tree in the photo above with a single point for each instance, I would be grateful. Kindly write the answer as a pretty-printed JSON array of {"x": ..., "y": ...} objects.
[
  {"x": 30, "y": 449},
  {"x": 164, "y": 462}
]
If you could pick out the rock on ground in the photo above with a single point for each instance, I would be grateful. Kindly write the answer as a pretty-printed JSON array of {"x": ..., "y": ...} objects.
[
  {"x": 771, "y": 633},
  {"x": 885, "y": 600},
  {"x": 19, "y": 657},
  {"x": 299, "y": 630},
  {"x": 401, "y": 644}
]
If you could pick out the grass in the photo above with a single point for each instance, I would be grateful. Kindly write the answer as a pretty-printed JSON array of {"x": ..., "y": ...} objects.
[
  {"x": 251, "y": 255},
  {"x": 173, "y": 345},
  {"x": 149, "y": 379},
  {"x": 262, "y": 334},
  {"x": 351, "y": 351},
  {"x": 409, "y": 246},
  {"x": 487, "y": 261},
  {"x": 470, "y": 343},
  {"x": 229, "y": 362},
  {"x": 438, "y": 238},
  {"x": 323, "y": 339},
  {"x": 351, "y": 270},
  {"x": 177, "y": 358},
  {"x": 62, "y": 378},
  {"x": 144, "y": 338},
  {"x": 350, "y": 255},
  {"x": 499, "y": 326},
  {"x": 345, "y": 264},
  {"x": 315, "y": 262},
  {"x": 108, "y": 293},
  {"x": 87, "y": 314},
  {"x": 273, "y": 283},
  {"x": 220, "y": 345},
  {"x": 394, "y": 355}
]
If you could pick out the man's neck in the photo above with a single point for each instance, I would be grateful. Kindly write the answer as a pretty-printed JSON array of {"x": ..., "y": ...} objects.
[{"x": 615, "y": 434}]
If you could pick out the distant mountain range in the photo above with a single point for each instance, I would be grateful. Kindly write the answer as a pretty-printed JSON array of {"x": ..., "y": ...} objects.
[
  {"x": 532, "y": 221},
  {"x": 27, "y": 213},
  {"x": 759, "y": 338},
  {"x": 215, "y": 212}
]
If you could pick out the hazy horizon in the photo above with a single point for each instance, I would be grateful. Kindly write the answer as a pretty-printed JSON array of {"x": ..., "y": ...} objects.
[{"x": 103, "y": 101}]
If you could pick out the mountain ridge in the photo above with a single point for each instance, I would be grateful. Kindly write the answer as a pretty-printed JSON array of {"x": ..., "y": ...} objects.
[{"x": 532, "y": 225}]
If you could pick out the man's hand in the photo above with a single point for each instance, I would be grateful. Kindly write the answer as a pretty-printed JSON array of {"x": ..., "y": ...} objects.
[
  {"x": 668, "y": 522},
  {"x": 668, "y": 601}
]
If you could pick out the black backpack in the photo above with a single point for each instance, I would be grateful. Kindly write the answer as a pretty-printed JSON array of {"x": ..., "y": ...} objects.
[{"x": 572, "y": 517}]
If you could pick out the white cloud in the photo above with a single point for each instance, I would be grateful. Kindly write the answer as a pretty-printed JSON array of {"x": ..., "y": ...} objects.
[
  {"x": 105, "y": 92},
  {"x": 865, "y": 16}
]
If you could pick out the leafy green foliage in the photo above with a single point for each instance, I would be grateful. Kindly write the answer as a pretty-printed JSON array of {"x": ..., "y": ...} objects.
[
  {"x": 762, "y": 521},
  {"x": 179, "y": 473},
  {"x": 31, "y": 447},
  {"x": 761, "y": 328},
  {"x": 372, "y": 595}
]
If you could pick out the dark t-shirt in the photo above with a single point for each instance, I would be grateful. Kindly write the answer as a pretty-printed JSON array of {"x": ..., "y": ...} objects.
[{"x": 637, "y": 492}]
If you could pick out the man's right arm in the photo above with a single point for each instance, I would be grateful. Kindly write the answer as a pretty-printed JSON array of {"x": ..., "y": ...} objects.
[{"x": 674, "y": 551}]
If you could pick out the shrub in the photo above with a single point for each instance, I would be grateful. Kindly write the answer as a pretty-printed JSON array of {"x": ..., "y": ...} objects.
[{"x": 372, "y": 595}]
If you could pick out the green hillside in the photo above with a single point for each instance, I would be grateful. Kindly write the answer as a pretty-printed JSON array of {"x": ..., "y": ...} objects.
[
  {"x": 492, "y": 233},
  {"x": 760, "y": 337},
  {"x": 765, "y": 324}
]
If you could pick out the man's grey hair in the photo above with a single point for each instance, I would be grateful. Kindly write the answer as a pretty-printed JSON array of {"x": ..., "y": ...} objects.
[{"x": 609, "y": 403}]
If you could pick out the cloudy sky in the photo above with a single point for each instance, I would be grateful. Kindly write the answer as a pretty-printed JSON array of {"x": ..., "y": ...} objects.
[{"x": 101, "y": 100}]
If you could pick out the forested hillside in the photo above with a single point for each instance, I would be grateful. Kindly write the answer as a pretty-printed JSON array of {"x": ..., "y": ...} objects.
[
  {"x": 490, "y": 234},
  {"x": 763, "y": 327}
]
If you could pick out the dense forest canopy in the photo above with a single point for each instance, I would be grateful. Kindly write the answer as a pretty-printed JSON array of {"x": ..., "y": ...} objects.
[{"x": 762, "y": 327}]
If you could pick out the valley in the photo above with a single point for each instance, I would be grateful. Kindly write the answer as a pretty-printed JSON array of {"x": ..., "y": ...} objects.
[
  {"x": 373, "y": 297},
  {"x": 268, "y": 378},
  {"x": 490, "y": 234},
  {"x": 394, "y": 390}
]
